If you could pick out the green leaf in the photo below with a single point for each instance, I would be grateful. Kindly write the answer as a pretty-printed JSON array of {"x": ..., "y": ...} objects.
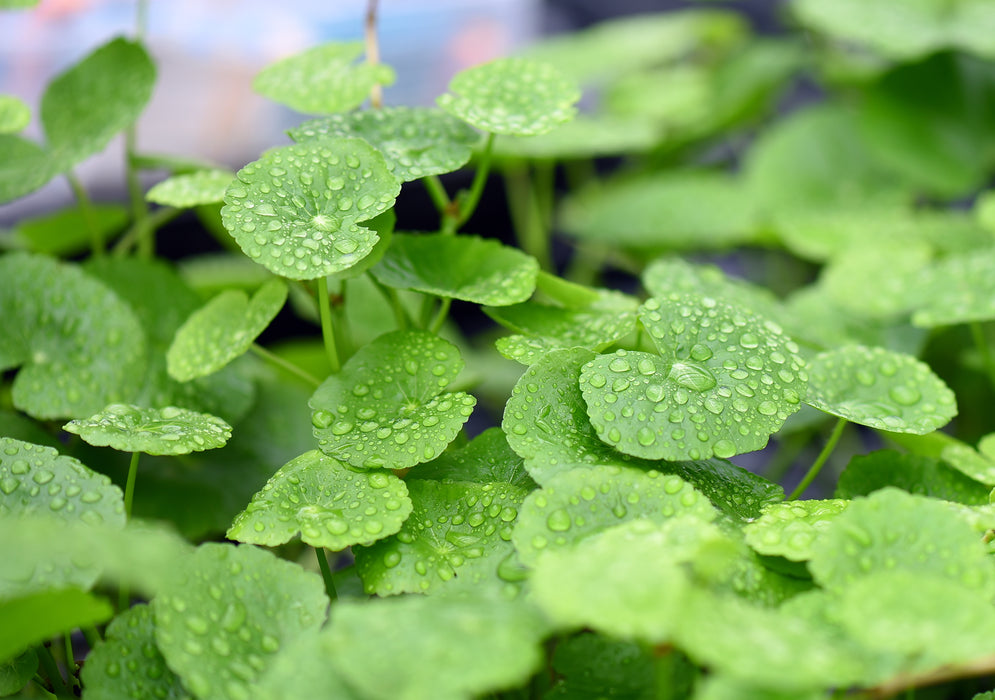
[
  {"x": 789, "y": 529},
  {"x": 550, "y": 519},
  {"x": 154, "y": 431},
  {"x": 79, "y": 346},
  {"x": 958, "y": 289},
  {"x": 87, "y": 105},
  {"x": 894, "y": 530},
  {"x": 212, "y": 273},
  {"x": 296, "y": 210},
  {"x": 17, "y": 672},
  {"x": 24, "y": 167},
  {"x": 301, "y": 670},
  {"x": 724, "y": 382},
  {"x": 222, "y": 330},
  {"x": 457, "y": 530},
  {"x": 191, "y": 189},
  {"x": 877, "y": 281},
  {"x": 128, "y": 664},
  {"x": 329, "y": 504},
  {"x": 222, "y": 619},
  {"x": 977, "y": 465},
  {"x": 14, "y": 114},
  {"x": 587, "y": 136},
  {"x": 512, "y": 96},
  {"x": 322, "y": 79},
  {"x": 733, "y": 490},
  {"x": 459, "y": 267},
  {"x": 724, "y": 688},
  {"x": 925, "y": 476},
  {"x": 17, "y": 4},
  {"x": 880, "y": 389},
  {"x": 32, "y": 619},
  {"x": 592, "y": 666},
  {"x": 387, "y": 407},
  {"x": 487, "y": 459},
  {"x": 415, "y": 141},
  {"x": 393, "y": 649},
  {"x": 67, "y": 232},
  {"x": 691, "y": 210}
]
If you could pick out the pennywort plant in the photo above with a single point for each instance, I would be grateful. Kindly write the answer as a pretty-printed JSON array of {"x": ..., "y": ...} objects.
[{"x": 706, "y": 297}]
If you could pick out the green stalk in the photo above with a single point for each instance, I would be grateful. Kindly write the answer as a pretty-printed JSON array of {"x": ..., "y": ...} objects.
[
  {"x": 390, "y": 294},
  {"x": 816, "y": 467},
  {"x": 40, "y": 683},
  {"x": 981, "y": 343},
  {"x": 664, "y": 672},
  {"x": 435, "y": 189},
  {"x": 344, "y": 332},
  {"x": 440, "y": 316},
  {"x": 129, "y": 489},
  {"x": 92, "y": 635},
  {"x": 468, "y": 205},
  {"x": 327, "y": 329},
  {"x": 51, "y": 668},
  {"x": 326, "y": 573},
  {"x": 283, "y": 364},
  {"x": 89, "y": 217},
  {"x": 137, "y": 232},
  {"x": 527, "y": 215},
  {"x": 70, "y": 657}
]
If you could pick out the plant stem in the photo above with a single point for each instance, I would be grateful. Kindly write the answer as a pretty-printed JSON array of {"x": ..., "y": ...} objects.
[
  {"x": 92, "y": 635},
  {"x": 816, "y": 467},
  {"x": 284, "y": 364},
  {"x": 527, "y": 215},
  {"x": 435, "y": 189},
  {"x": 664, "y": 672},
  {"x": 86, "y": 208},
  {"x": 468, "y": 205},
  {"x": 327, "y": 329},
  {"x": 51, "y": 668},
  {"x": 343, "y": 332},
  {"x": 390, "y": 294},
  {"x": 129, "y": 489},
  {"x": 326, "y": 573},
  {"x": 373, "y": 51},
  {"x": 70, "y": 656},
  {"x": 440, "y": 316},
  {"x": 154, "y": 221},
  {"x": 981, "y": 343}
]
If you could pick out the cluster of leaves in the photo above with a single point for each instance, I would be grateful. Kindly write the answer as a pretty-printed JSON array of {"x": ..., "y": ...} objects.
[{"x": 598, "y": 542}]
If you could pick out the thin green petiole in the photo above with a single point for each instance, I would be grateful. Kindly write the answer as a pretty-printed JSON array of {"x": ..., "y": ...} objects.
[
  {"x": 327, "y": 329},
  {"x": 441, "y": 314},
  {"x": 400, "y": 313},
  {"x": 981, "y": 343},
  {"x": 437, "y": 192},
  {"x": 326, "y": 573},
  {"x": 51, "y": 668},
  {"x": 468, "y": 206},
  {"x": 86, "y": 207},
  {"x": 70, "y": 656},
  {"x": 129, "y": 489},
  {"x": 816, "y": 467},
  {"x": 284, "y": 364},
  {"x": 92, "y": 635}
]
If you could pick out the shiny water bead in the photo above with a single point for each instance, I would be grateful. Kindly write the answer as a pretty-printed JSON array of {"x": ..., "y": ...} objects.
[
  {"x": 789, "y": 529},
  {"x": 881, "y": 389},
  {"x": 191, "y": 189},
  {"x": 487, "y": 459},
  {"x": 155, "y": 431}
]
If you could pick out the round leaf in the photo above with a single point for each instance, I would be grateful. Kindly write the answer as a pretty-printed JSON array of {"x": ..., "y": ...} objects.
[
  {"x": 587, "y": 136},
  {"x": 24, "y": 167},
  {"x": 925, "y": 476},
  {"x": 487, "y": 459},
  {"x": 877, "y": 281},
  {"x": 191, "y": 189},
  {"x": 296, "y": 210},
  {"x": 789, "y": 529},
  {"x": 387, "y": 408},
  {"x": 415, "y": 141},
  {"x": 228, "y": 611},
  {"x": 14, "y": 114},
  {"x": 592, "y": 666},
  {"x": 67, "y": 231},
  {"x": 459, "y": 267},
  {"x": 513, "y": 96},
  {"x": 958, "y": 289},
  {"x": 222, "y": 330},
  {"x": 331, "y": 505},
  {"x": 880, "y": 389},
  {"x": 154, "y": 431},
  {"x": 726, "y": 379},
  {"x": 32, "y": 619},
  {"x": 17, "y": 672}
]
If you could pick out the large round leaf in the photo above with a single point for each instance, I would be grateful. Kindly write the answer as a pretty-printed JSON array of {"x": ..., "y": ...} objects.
[
  {"x": 487, "y": 459},
  {"x": 459, "y": 267},
  {"x": 789, "y": 529},
  {"x": 513, "y": 96},
  {"x": 24, "y": 167},
  {"x": 387, "y": 407},
  {"x": 154, "y": 431},
  {"x": 329, "y": 504},
  {"x": 415, "y": 141},
  {"x": 297, "y": 209},
  {"x": 958, "y": 289}
]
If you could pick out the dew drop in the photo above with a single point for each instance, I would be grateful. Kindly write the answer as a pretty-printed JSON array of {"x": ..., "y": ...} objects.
[
  {"x": 905, "y": 395},
  {"x": 559, "y": 520},
  {"x": 645, "y": 437}
]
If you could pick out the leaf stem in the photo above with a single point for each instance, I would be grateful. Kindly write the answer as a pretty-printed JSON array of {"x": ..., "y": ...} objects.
[
  {"x": 981, "y": 343},
  {"x": 51, "y": 668},
  {"x": 816, "y": 467},
  {"x": 373, "y": 51},
  {"x": 441, "y": 314},
  {"x": 437, "y": 191},
  {"x": 326, "y": 573},
  {"x": 527, "y": 214},
  {"x": 390, "y": 294},
  {"x": 89, "y": 217},
  {"x": 327, "y": 329},
  {"x": 70, "y": 657},
  {"x": 468, "y": 205},
  {"x": 129, "y": 489},
  {"x": 283, "y": 364},
  {"x": 93, "y": 636},
  {"x": 136, "y": 232}
]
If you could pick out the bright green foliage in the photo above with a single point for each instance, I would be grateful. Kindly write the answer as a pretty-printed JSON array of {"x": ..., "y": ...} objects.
[
  {"x": 880, "y": 281},
  {"x": 733, "y": 490},
  {"x": 724, "y": 688},
  {"x": 672, "y": 211},
  {"x": 457, "y": 529},
  {"x": 587, "y": 136},
  {"x": 415, "y": 141},
  {"x": 154, "y": 431},
  {"x": 958, "y": 289},
  {"x": 296, "y": 210},
  {"x": 926, "y": 476},
  {"x": 459, "y": 267},
  {"x": 16, "y": 4},
  {"x": 724, "y": 381},
  {"x": 67, "y": 232},
  {"x": 789, "y": 529},
  {"x": 393, "y": 649},
  {"x": 78, "y": 345},
  {"x": 881, "y": 389},
  {"x": 128, "y": 664},
  {"x": 14, "y": 114},
  {"x": 894, "y": 530},
  {"x": 301, "y": 670},
  {"x": 592, "y": 666},
  {"x": 86, "y": 106},
  {"x": 487, "y": 459},
  {"x": 24, "y": 167},
  {"x": 387, "y": 407},
  {"x": 15, "y": 673},
  {"x": 224, "y": 616},
  {"x": 322, "y": 79},
  {"x": 977, "y": 465},
  {"x": 512, "y": 96},
  {"x": 329, "y": 504},
  {"x": 551, "y": 520},
  {"x": 222, "y": 330},
  {"x": 32, "y": 619},
  {"x": 191, "y": 189}
]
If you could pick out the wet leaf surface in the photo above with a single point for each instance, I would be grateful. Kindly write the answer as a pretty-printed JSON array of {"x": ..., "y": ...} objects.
[
  {"x": 191, "y": 189},
  {"x": 165, "y": 431}
]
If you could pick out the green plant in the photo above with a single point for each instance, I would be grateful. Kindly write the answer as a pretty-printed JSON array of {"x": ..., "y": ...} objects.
[{"x": 598, "y": 542}]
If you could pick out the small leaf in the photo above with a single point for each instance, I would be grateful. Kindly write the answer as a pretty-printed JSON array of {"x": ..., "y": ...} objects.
[
  {"x": 387, "y": 407},
  {"x": 329, "y": 504},
  {"x": 191, "y": 189},
  {"x": 487, "y": 459},
  {"x": 17, "y": 672},
  {"x": 592, "y": 666},
  {"x": 587, "y": 136},
  {"x": 127, "y": 663},
  {"x": 924, "y": 476},
  {"x": 322, "y": 79},
  {"x": 14, "y": 115},
  {"x": 877, "y": 281},
  {"x": 957, "y": 289},
  {"x": 789, "y": 529},
  {"x": 154, "y": 431},
  {"x": 31, "y": 619},
  {"x": 513, "y": 96},
  {"x": 977, "y": 465},
  {"x": 222, "y": 330},
  {"x": 459, "y": 267},
  {"x": 296, "y": 210},
  {"x": 457, "y": 530},
  {"x": 222, "y": 619},
  {"x": 881, "y": 389},
  {"x": 24, "y": 167},
  {"x": 415, "y": 141},
  {"x": 67, "y": 232}
]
